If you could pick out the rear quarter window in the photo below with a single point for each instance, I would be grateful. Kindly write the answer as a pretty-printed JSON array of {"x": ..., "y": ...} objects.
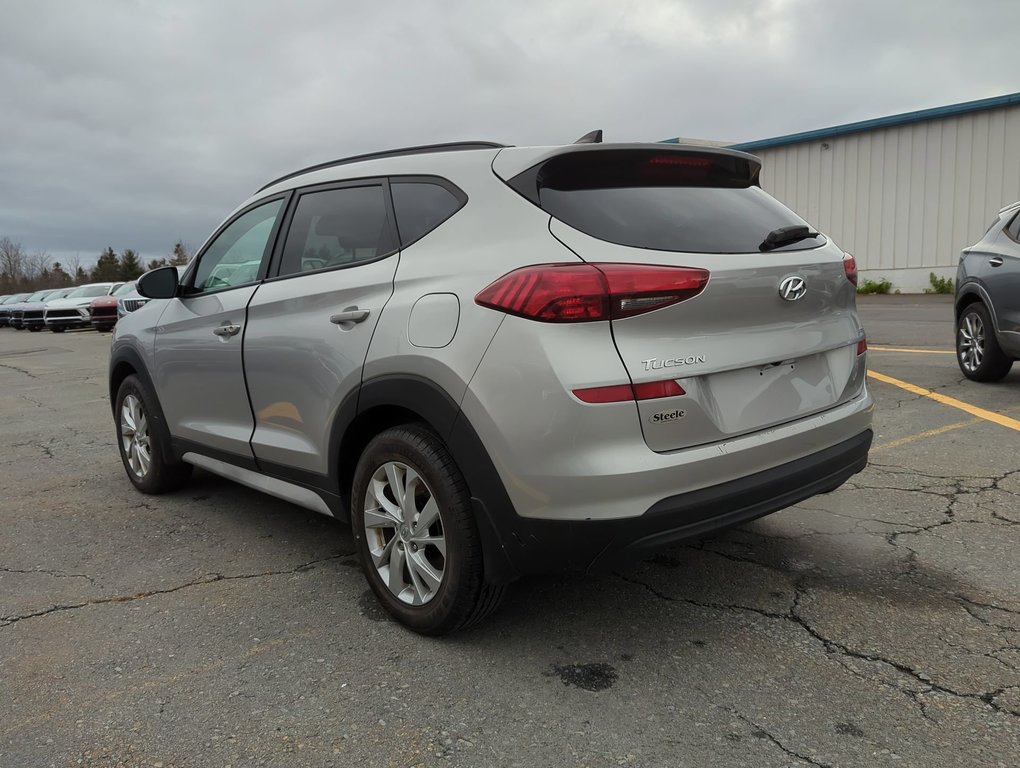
[
  {"x": 1013, "y": 230},
  {"x": 421, "y": 206}
]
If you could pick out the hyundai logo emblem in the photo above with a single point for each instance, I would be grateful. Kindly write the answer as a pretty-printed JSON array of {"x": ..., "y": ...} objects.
[{"x": 792, "y": 288}]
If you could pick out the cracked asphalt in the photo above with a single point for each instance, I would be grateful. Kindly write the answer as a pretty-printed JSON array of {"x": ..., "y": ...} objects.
[{"x": 877, "y": 625}]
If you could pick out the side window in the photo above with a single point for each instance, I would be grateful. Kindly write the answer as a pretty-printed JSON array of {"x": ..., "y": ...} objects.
[
  {"x": 233, "y": 258},
  {"x": 1013, "y": 230},
  {"x": 420, "y": 207},
  {"x": 336, "y": 227}
]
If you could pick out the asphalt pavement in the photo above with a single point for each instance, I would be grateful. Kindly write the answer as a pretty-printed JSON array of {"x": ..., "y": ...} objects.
[{"x": 877, "y": 625}]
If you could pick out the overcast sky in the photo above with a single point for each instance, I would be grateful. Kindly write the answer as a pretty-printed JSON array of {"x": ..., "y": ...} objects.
[{"x": 135, "y": 123}]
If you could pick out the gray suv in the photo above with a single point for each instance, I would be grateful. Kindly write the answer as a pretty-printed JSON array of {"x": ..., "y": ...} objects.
[
  {"x": 495, "y": 361},
  {"x": 988, "y": 300}
]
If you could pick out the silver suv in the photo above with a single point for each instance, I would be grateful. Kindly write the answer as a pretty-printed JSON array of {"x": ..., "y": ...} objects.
[
  {"x": 496, "y": 361},
  {"x": 988, "y": 300}
]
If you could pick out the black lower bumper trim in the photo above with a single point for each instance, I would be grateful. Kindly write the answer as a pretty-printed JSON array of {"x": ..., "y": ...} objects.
[{"x": 545, "y": 546}]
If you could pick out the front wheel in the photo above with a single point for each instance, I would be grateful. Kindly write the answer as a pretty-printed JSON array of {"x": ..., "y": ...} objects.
[
  {"x": 57, "y": 329},
  {"x": 977, "y": 350},
  {"x": 415, "y": 532},
  {"x": 141, "y": 436}
]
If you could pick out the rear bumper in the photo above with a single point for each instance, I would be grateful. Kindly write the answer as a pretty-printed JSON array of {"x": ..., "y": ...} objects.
[{"x": 542, "y": 546}]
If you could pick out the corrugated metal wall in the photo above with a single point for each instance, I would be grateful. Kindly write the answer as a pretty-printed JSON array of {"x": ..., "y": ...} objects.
[{"x": 903, "y": 198}]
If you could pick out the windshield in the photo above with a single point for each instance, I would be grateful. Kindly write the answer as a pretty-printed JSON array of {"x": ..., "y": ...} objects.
[
  {"x": 126, "y": 288},
  {"x": 38, "y": 296},
  {"x": 88, "y": 292},
  {"x": 16, "y": 298}
]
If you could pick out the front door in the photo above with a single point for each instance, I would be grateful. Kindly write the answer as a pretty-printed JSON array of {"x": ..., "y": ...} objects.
[{"x": 199, "y": 374}]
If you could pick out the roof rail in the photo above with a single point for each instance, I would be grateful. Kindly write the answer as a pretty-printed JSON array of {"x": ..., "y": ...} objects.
[{"x": 455, "y": 146}]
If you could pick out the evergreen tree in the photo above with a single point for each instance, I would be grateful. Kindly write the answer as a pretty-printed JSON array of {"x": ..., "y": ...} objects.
[
  {"x": 59, "y": 277},
  {"x": 130, "y": 266},
  {"x": 107, "y": 269},
  {"x": 180, "y": 255},
  {"x": 156, "y": 264},
  {"x": 80, "y": 276}
]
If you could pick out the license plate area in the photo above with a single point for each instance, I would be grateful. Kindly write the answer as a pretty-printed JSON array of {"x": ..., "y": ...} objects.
[{"x": 752, "y": 398}]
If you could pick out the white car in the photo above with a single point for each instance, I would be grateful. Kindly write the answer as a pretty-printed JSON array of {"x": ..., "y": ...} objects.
[{"x": 73, "y": 310}]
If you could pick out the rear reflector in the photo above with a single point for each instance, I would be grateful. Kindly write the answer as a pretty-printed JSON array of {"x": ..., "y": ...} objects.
[
  {"x": 862, "y": 346},
  {"x": 850, "y": 268},
  {"x": 621, "y": 393},
  {"x": 580, "y": 293}
]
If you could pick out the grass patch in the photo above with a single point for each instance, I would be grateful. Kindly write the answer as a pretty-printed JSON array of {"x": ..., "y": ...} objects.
[
  {"x": 875, "y": 286},
  {"x": 939, "y": 284}
]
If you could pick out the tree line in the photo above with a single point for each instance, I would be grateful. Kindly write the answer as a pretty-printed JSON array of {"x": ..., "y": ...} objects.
[{"x": 21, "y": 271}]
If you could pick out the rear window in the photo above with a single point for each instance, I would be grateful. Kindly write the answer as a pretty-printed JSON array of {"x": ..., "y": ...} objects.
[{"x": 664, "y": 201}]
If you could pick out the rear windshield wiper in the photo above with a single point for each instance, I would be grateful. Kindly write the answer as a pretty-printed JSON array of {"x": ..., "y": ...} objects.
[{"x": 785, "y": 236}]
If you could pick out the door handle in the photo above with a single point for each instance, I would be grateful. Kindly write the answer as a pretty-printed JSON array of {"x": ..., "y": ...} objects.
[
  {"x": 226, "y": 330},
  {"x": 995, "y": 261},
  {"x": 349, "y": 315}
]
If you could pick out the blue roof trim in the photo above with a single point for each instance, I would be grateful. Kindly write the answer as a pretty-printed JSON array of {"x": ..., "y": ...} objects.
[{"x": 905, "y": 118}]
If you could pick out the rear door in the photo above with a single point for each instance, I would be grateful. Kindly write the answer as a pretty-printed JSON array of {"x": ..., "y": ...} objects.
[
  {"x": 199, "y": 375},
  {"x": 999, "y": 269},
  {"x": 310, "y": 324},
  {"x": 771, "y": 337}
]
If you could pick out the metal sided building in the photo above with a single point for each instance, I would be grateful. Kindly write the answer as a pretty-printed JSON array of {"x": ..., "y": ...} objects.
[{"x": 904, "y": 194}]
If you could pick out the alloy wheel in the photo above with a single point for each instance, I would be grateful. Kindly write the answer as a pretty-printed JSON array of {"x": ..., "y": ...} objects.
[
  {"x": 404, "y": 533},
  {"x": 134, "y": 435},
  {"x": 971, "y": 344}
]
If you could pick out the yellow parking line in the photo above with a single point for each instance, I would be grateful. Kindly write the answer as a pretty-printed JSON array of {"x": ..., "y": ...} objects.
[
  {"x": 916, "y": 351},
  {"x": 952, "y": 402},
  {"x": 924, "y": 435}
]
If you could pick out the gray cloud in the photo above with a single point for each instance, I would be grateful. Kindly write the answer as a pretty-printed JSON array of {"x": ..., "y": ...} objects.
[{"x": 134, "y": 124}]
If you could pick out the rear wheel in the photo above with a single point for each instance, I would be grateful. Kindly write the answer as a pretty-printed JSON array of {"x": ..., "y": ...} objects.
[
  {"x": 141, "y": 435},
  {"x": 415, "y": 532},
  {"x": 977, "y": 350}
]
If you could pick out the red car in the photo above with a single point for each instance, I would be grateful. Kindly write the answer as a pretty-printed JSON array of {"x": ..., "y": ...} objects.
[{"x": 104, "y": 309}]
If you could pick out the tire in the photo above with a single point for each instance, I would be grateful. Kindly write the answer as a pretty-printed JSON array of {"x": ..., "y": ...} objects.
[
  {"x": 142, "y": 450},
  {"x": 977, "y": 350},
  {"x": 34, "y": 329},
  {"x": 461, "y": 596},
  {"x": 57, "y": 329}
]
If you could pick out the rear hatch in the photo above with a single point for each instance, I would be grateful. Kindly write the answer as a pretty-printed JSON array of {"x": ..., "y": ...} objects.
[{"x": 772, "y": 336}]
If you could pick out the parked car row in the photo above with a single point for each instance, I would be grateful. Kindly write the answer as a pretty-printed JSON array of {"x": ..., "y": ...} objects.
[{"x": 96, "y": 305}]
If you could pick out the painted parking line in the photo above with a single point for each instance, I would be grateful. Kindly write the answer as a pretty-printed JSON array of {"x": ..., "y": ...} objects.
[
  {"x": 900, "y": 442},
  {"x": 952, "y": 402},
  {"x": 915, "y": 351}
]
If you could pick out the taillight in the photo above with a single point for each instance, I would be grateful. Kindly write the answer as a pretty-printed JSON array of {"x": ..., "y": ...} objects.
[
  {"x": 619, "y": 393},
  {"x": 850, "y": 267},
  {"x": 862, "y": 346},
  {"x": 580, "y": 293}
]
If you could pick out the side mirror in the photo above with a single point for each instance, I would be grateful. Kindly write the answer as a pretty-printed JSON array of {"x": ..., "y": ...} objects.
[{"x": 158, "y": 284}]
